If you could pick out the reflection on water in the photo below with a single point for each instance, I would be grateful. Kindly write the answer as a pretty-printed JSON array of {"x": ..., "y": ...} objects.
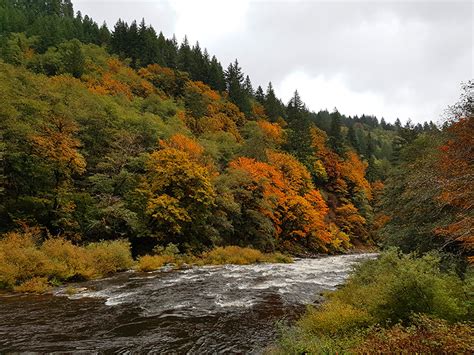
[{"x": 200, "y": 310}]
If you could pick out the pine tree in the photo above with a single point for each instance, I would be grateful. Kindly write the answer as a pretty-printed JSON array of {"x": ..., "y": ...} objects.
[
  {"x": 248, "y": 87},
  {"x": 398, "y": 124},
  {"x": 118, "y": 41},
  {"x": 371, "y": 173},
  {"x": 184, "y": 56},
  {"x": 170, "y": 53},
  {"x": 336, "y": 140},
  {"x": 260, "y": 96},
  {"x": 272, "y": 105},
  {"x": 235, "y": 87},
  {"x": 352, "y": 138},
  {"x": 216, "y": 75},
  {"x": 104, "y": 34},
  {"x": 299, "y": 137}
]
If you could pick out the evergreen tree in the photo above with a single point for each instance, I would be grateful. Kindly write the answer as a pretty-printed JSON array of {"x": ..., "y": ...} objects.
[
  {"x": 398, "y": 124},
  {"x": 371, "y": 172},
  {"x": 235, "y": 87},
  {"x": 299, "y": 137},
  {"x": 216, "y": 75},
  {"x": 119, "y": 38},
  {"x": 184, "y": 56},
  {"x": 171, "y": 53},
  {"x": 336, "y": 140},
  {"x": 248, "y": 87},
  {"x": 104, "y": 34},
  {"x": 260, "y": 96},
  {"x": 272, "y": 105},
  {"x": 352, "y": 138}
]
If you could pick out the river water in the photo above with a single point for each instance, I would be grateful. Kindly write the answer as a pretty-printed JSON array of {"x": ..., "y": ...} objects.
[{"x": 211, "y": 309}]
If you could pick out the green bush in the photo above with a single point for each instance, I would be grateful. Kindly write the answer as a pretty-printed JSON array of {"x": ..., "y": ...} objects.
[
  {"x": 394, "y": 290},
  {"x": 395, "y": 286},
  {"x": 334, "y": 318}
]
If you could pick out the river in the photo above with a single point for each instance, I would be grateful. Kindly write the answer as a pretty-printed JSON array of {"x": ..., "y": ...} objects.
[{"x": 210, "y": 309}]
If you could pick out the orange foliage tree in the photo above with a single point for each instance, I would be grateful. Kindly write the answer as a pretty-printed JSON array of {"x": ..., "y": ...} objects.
[
  {"x": 296, "y": 209},
  {"x": 191, "y": 147},
  {"x": 294, "y": 172},
  {"x": 272, "y": 131},
  {"x": 457, "y": 176}
]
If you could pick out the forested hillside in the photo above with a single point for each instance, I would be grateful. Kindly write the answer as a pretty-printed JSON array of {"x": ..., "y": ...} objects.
[
  {"x": 122, "y": 149},
  {"x": 122, "y": 133}
]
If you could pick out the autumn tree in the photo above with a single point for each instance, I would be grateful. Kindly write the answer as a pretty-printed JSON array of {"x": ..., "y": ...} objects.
[
  {"x": 456, "y": 173},
  {"x": 179, "y": 196}
]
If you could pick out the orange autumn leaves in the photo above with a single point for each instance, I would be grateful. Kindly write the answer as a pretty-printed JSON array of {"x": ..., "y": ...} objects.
[
  {"x": 56, "y": 142},
  {"x": 296, "y": 208},
  {"x": 456, "y": 176}
]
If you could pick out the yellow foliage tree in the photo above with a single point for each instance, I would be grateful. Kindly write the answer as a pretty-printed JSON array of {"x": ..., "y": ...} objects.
[{"x": 179, "y": 194}]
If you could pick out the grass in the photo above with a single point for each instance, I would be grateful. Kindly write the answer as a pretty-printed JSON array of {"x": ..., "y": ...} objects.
[
  {"x": 30, "y": 264},
  {"x": 217, "y": 256},
  {"x": 395, "y": 303},
  {"x": 241, "y": 256},
  {"x": 154, "y": 262}
]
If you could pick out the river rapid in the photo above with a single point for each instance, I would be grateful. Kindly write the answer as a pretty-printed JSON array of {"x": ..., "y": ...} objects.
[{"x": 210, "y": 309}]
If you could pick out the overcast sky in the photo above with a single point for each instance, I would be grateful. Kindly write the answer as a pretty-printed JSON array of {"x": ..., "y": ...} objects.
[{"x": 393, "y": 59}]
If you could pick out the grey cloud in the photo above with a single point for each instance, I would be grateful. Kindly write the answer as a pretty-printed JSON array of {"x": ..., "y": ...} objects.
[{"x": 387, "y": 48}]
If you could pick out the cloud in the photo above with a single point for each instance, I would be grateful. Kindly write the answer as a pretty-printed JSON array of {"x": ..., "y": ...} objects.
[
  {"x": 210, "y": 20},
  {"x": 389, "y": 58}
]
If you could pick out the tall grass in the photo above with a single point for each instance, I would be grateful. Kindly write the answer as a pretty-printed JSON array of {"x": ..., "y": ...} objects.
[
  {"x": 241, "y": 256},
  {"x": 27, "y": 264},
  {"x": 217, "y": 256}
]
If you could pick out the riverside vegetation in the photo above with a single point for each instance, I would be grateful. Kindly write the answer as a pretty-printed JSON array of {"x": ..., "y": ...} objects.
[
  {"x": 28, "y": 264},
  {"x": 124, "y": 143},
  {"x": 420, "y": 301}
]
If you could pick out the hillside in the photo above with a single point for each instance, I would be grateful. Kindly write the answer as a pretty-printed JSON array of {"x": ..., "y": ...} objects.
[{"x": 97, "y": 146}]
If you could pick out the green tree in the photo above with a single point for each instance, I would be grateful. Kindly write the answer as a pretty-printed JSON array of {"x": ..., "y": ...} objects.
[
  {"x": 336, "y": 139},
  {"x": 235, "y": 87}
]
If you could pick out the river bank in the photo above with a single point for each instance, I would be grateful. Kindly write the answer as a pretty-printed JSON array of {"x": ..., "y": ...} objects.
[
  {"x": 202, "y": 309},
  {"x": 396, "y": 303},
  {"x": 30, "y": 265}
]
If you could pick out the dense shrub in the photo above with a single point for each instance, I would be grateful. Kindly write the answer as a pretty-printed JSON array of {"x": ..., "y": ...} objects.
[
  {"x": 387, "y": 300},
  {"x": 153, "y": 262},
  {"x": 34, "y": 285},
  {"x": 217, "y": 256},
  {"x": 425, "y": 336},
  {"x": 334, "y": 318},
  {"x": 395, "y": 286},
  {"x": 241, "y": 256},
  {"x": 110, "y": 256},
  {"x": 29, "y": 265}
]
